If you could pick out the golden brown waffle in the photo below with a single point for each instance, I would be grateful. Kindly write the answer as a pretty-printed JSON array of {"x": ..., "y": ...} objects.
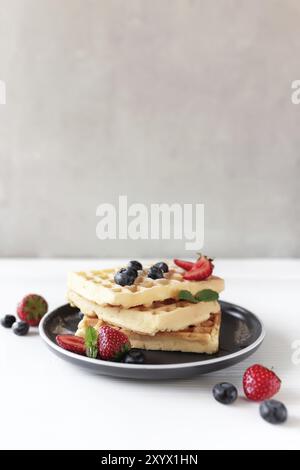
[
  {"x": 201, "y": 338},
  {"x": 100, "y": 287},
  {"x": 167, "y": 315}
]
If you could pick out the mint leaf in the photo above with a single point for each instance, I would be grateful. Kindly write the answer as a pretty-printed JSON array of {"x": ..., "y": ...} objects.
[
  {"x": 206, "y": 295},
  {"x": 91, "y": 335},
  {"x": 187, "y": 295},
  {"x": 91, "y": 340}
]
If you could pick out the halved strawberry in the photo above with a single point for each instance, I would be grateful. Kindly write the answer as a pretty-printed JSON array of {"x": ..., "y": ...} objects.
[
  {"x": 187, "y": 265},
  {"x": 71, "y": 343},
  {"x": 201, "y": 259},
  {"x": 202, "y": 269}
]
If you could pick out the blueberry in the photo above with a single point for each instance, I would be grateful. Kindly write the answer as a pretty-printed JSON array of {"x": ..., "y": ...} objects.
[
  {"x": 155, "y": 273},
  {"x": 273, "y": 411},
  {"x": 80, "y": 315},
  {"x": 131, "y": 271},
  {"x": 8, "y": 321},
  {"x": 135, "y": 265},
  {"x": 225, "y": 393},
  {"x": 163, "y": 266},
  {"x": 134, "y": 356},
  {"x": 125, "y": 277},
  {"x": 20, "y": 328}
]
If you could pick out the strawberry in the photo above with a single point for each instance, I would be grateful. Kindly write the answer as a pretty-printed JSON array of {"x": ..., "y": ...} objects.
[
  {"x": 112, "y": 344},
  {"x": 186, "y": 265},
  {"x": 71, "y": 343},
  {"x": 200, "y": 261},
  {"x": 202, "y": 269},
  {"x": 260, "y": 383},
  {"x": 32, "y": 308}
]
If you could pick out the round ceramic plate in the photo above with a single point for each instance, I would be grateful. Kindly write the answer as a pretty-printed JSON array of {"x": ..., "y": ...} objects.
[{"x": 241, "y": 334}]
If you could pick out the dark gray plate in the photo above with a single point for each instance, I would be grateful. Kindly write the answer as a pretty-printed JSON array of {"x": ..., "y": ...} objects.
[{"x": 241, "y": 334}]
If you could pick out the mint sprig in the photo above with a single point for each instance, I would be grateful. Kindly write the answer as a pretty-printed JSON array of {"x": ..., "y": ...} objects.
[
  {"x": 188, "y": 296},
  {"x": 205, "y": 295},
  {"x": 91, "y": 342}
]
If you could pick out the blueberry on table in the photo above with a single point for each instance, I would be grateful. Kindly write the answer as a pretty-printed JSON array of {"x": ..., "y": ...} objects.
[
  {"x": 273, "y": 411},
  {"x": 135, "y": 265},
  {"x": 8, "y": 321},
  {"x": 163, "y": 266},
  {"x": 125, "y": 277},
  {"x": 134, "y": 356},
  {"x": 225, "y": 393},
  {"x": 155, "y": 273},
  {"x": 20, "y": 328}
]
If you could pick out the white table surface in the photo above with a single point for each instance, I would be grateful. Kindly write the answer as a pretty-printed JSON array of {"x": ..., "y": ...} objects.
[{"x": 48, "y": 403}]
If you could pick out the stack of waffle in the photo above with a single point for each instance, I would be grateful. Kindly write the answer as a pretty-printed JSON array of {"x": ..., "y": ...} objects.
[{"x": 149, "y": 311}]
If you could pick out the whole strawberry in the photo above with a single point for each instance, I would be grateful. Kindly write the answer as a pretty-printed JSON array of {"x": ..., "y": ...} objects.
[
  {"x": 112, "y": 344},
  {"x": 32, "y": 308},
  {"x": 260, "y": 383}
]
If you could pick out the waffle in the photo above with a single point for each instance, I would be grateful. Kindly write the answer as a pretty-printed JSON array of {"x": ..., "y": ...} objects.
[
  {"x": 100, "y": 287},
  {"x": 201, "y": 338},
  {"x": 167, "y": 315}
]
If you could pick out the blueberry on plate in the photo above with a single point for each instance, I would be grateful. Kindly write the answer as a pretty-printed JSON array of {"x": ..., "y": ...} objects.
[
  {"x": 8, "y": 321},
  {"x": 20, "y": 328},
  {"x": 273, "y": 411},
  {"x": 134, "y": 356},
  {"x": 135, "y": 265},
  {"x": 163, "y": 266},
  {"x": 155, "y": 273},
  {"x": 225, "y": 393},
  {"x": 80, "y": 315},
  {"x": 125, "y": 277}
]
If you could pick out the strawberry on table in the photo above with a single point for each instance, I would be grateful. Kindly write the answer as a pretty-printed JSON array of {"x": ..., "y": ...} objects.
[
  {"x": 71, "y": 343},
  {"x": 260, "y": 383},
  {"x": 112, "y": 344},
  {"x": 32, "y": 309}
]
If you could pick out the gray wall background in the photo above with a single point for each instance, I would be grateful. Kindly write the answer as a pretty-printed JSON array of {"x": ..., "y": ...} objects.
[{"x": 162, "y": 100}]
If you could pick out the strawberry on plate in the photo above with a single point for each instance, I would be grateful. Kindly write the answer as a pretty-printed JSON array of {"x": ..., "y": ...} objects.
[
  {"x": 71, "y": 343},
  {"x": 202, "y": 269},
  {"x": 260, "y": 383},
  {"x": 32, "y": 309},
  {"x": 112, "y": 344}
]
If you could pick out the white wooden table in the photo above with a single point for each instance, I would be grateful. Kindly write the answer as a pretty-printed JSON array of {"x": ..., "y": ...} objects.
[{"x": 47, "y": 403}]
